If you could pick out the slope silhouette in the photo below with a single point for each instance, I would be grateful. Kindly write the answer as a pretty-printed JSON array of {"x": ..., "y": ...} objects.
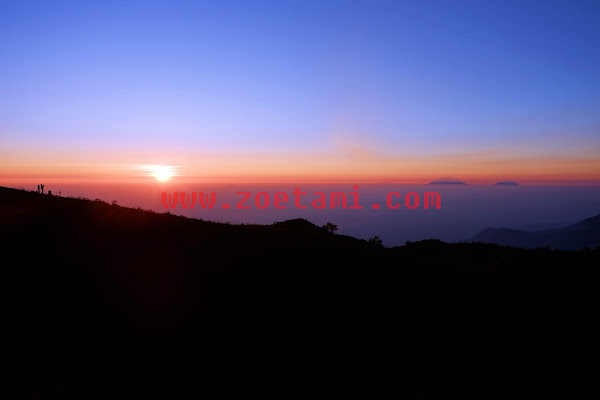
[
  {"x": 105, "y": 299},
  {"x": 572, "y": 237}
]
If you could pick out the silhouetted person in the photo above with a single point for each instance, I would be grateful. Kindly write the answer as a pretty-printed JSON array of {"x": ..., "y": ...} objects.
[
  {"x": 38, "y": 188},
  {"x": 42, "y": 185},
  {"x": 49, "y": 192}
]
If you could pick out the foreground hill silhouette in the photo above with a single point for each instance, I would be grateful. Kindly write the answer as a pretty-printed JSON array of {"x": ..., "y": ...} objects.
[
  {"x": 111, "y": 300},
  {"x": 573, "y": 237}
]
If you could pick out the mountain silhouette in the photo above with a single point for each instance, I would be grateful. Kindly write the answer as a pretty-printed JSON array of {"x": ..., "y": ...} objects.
[
  {"x": 447, "y": 181},
  {"x": 572, "y": 237},
  {"x": 104, "y": 299},
  {"x": 513, "y": 183}
]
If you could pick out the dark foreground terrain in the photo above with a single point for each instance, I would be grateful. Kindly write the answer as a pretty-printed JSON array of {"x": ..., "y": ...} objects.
[{"x": 104, "y": 300}]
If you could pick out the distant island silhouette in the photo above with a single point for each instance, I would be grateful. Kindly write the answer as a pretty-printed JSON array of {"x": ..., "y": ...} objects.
[
  {"x": 513, "y": 183},
  {"x": 447, "y": 181},
  {"x": 108, "y": 299}
]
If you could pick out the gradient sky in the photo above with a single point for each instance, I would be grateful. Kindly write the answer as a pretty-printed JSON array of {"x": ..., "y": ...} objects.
[{"x": 301, "y": 90}]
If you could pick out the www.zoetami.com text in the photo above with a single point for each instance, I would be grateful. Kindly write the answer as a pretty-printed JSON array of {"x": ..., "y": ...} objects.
[{"x": 299, "y": 199}]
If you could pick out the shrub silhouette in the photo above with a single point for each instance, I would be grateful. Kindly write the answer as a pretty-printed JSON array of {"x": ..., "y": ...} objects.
[
  {"x": 375, "y": 241},
  {"x": 330, "y": 227}
]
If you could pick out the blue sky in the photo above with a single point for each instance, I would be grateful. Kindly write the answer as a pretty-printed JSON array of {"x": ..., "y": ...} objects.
[{"x": 404, "y": 77}]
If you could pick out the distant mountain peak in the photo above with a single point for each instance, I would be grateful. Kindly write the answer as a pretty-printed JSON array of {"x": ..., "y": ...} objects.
[
  {"x": 513, "y": 183},
  {"x": 448, "y": 180}
]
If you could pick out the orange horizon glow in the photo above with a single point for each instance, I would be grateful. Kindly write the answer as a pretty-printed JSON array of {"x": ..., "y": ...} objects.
[
  {"x": 178, "y": 166},
  {"x": 162, "y": 177}
]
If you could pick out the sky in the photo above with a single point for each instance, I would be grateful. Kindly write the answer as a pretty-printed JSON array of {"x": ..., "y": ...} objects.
[{"x": 300, "y": 91}]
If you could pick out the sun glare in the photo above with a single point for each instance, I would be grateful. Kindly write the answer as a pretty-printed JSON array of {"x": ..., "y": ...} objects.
[{"x": 161, "y": 172}]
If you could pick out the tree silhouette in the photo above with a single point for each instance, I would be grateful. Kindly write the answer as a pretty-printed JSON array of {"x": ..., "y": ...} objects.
[
  {"x": 375, "y": 241},
  {"x": 330, "y": 227}
]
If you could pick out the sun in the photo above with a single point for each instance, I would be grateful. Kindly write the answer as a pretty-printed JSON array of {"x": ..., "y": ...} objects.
[{"x": 161, "y": 172}]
